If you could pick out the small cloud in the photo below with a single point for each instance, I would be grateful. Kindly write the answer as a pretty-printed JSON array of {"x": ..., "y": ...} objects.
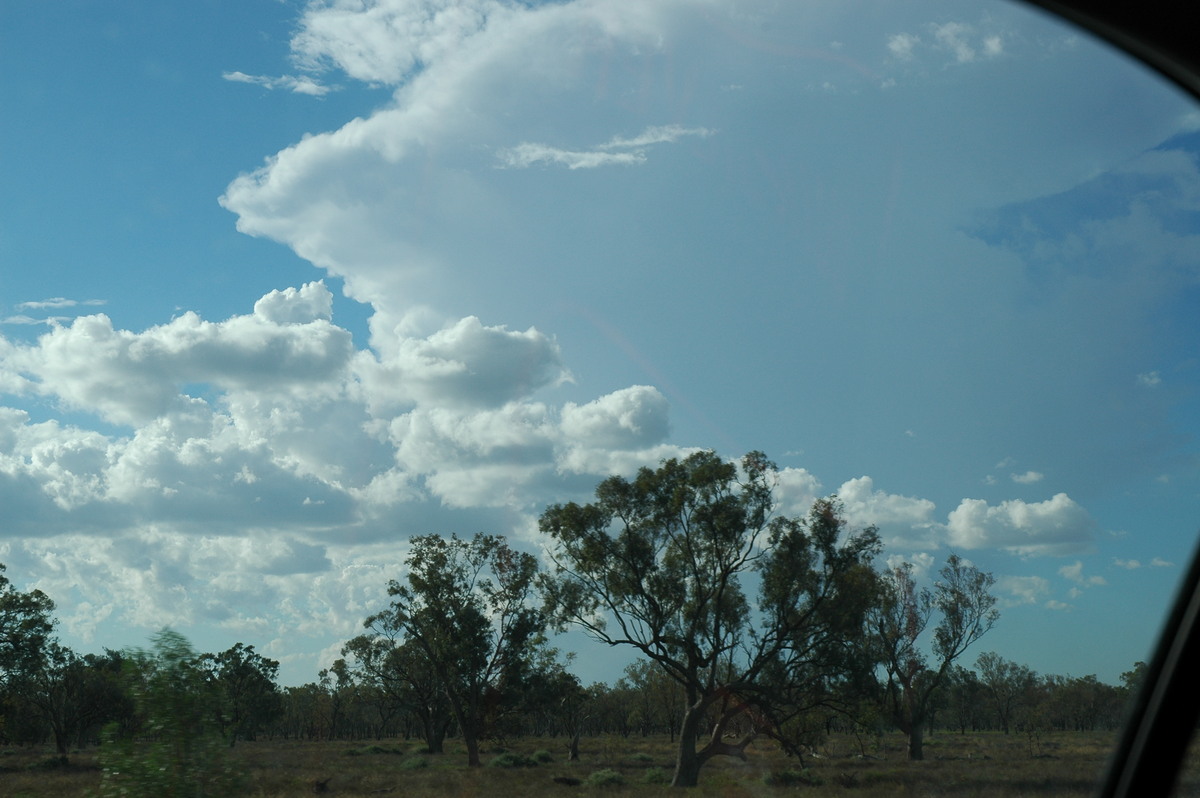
[
  {"x": 953, "y": 37},
  {"x": 656, "y": 135},
  {"x": 23, "y": 319},
  {"x": 909, "y": 433},
  {"x": 1023, "y": 589},
  {"x": 990, "y": 480},
  {"x": 993, "y": 46},
  {"x": 1129, "y": 565},
  {"x": 617, "y": 151},
  {"x": 292, "y": 83},
  {"x": 901, "y": 45},
  {"x": 58, "y": 302},
  {"x": 1074, "y": 573},
  {"x": 1150, "y": 379},
  {"x": 1159, "y": 562},
  {"x": 1007, "y": 462},
  {"x": 1028, "y": 478},
  {"x": 524, "y": 155},
  {"x": 1057, "y": 605}
]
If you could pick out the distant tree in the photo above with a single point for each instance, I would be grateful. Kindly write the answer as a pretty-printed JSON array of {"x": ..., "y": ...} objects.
[
  {"x": 965, "y": 698},
  {"x": 248, "y": 697},
  {"x": 663, "y": 564},
  {"x": 1009, "y": 686},
  {"x": 659, "y": 697},
  {"x": 965, "y": 609},
  {"x": 337, "y": 687},
  {"x": 26, "y": 626},
  {"x": 1131, "y": 680},
  {"x": 467, "y": 607},
  {"x": 72, "y": 694},
  {"x": 406, "y": 678}
]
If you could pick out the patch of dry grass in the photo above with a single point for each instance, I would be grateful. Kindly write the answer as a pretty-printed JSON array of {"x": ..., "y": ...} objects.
[{"x": 972, "y": 766}]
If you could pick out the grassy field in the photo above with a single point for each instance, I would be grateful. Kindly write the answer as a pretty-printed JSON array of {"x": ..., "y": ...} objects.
[{"x": 985, "y": 764}]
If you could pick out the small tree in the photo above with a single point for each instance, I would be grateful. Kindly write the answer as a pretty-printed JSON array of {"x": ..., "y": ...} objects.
[
  {"x": 965, "y": 608},
  {"x": 466, "y": 606},
  {"x": 173, "y": 750},
  {"x": 664, "y": 564}
]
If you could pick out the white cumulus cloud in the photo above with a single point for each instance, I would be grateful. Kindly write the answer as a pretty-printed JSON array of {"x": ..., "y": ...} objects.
[{"x": 1056, "y": 525}]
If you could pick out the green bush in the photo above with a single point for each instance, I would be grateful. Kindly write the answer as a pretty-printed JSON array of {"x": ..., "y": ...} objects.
[
  {"x": 656, "y": 776},
  {"x": 415, "y": 763},
  {"x": 543, "y": 756},
  {"x": 176, "y": 751},
  {"x": 510, "y": 759},
  {"x": 605, "y": 778}
]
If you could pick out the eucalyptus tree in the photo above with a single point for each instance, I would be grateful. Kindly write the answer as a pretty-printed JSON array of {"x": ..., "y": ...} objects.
[
  {"x": 1009, "y": 686},
  {"x": 72, "y": 694},
  {"x": 753, "y": 614},
  {"x": 467, "y": 607},
  {"x": 405, "y": 677},
  {"x": 966, "y": 611},
  {"x": 249, "y": 699},
  {"x": 26, "y": 626}
]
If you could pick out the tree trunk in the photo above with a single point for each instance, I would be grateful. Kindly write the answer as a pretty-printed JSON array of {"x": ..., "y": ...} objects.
[
  {"x": 60, "y": 741},
  {"x": 688, "y": 761},
  {"x": 471, "y": 741},
  {"x": 916, "y": 742}
]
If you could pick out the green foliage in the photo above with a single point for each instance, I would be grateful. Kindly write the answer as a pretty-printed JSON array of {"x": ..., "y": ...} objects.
[
  {"x": 966, "y": 608},
  {"x": 510, "y": 759},
  {"x": 656, "y": 776},
  {"x": 667, "y": 563},
  {"x": 465, "y": 613},
  {"x": 606, "y": 777},
  {"x": 173, "y": 752},
  {"x": 791, "y": 778},
  {"x": 245, "y": 685},
  {"x": 542, "y": 756},
  {"x": 373, "y": 750},
  {"x": 414, "y": 763}
]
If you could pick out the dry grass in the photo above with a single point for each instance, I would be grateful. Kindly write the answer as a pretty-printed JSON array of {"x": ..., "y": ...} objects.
[{"x": 972, "y": 765}]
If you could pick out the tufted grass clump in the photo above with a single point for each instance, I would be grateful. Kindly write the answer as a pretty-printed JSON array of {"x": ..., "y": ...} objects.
[
  {"x": 606, "y": 777},
  {"x": 510, "y": 759}
]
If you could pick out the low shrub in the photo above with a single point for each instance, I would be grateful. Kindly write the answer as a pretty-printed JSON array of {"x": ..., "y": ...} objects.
[
  {"x": 791, "y": 778},
  {"x": 656, "y": 776},
  {"x": 373, "y": 750},
  {"x": 605, "y": 778},
  {"x": 543, "y": 756},
  {"x": 510, "y": 759}
]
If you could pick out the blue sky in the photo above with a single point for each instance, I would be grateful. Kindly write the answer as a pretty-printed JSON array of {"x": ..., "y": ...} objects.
[{"x": 284, "y": 283}]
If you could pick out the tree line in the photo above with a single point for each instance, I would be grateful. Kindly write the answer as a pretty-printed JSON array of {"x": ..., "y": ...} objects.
[{"x": 747, "y": 624}]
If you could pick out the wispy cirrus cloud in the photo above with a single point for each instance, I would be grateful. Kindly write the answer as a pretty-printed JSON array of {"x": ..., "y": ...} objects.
[
  {"x": 297, "y": 84},
  {"x": 59, "y": 302},
  {"x": 617, "y": 151}
]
